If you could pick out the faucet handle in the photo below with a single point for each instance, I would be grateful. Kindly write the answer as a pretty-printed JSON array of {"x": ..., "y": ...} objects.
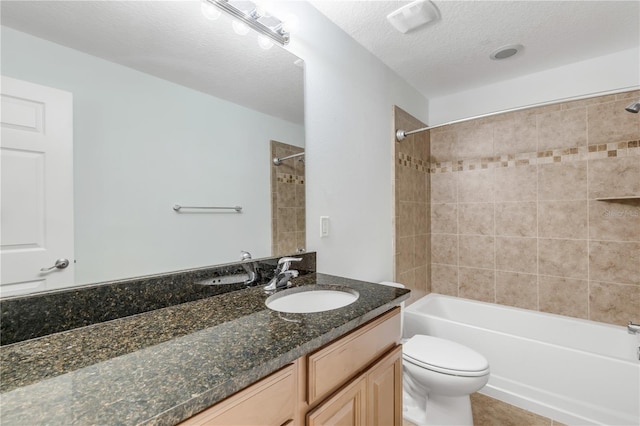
[
  {"x": 289, "y": 259},
  {"x": 245, "y": 255},
  {"x": 286, "y": 262}
]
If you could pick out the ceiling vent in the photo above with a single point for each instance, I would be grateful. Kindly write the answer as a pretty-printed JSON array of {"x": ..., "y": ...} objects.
[{"x": 413, "y": 15}]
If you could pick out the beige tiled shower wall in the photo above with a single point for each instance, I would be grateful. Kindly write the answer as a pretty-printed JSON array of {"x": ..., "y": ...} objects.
[
  {"x": 411, "y": 189},
  {"x": 287, "y": 201},
  {"x": 540, "y": 209}
]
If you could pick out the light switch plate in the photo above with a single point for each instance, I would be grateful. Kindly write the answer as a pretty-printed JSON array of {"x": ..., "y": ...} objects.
[{"x": 324, "y": 226}]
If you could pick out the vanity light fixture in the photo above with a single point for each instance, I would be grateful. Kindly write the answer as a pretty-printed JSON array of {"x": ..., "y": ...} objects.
[{"x": 255, "y": 18}]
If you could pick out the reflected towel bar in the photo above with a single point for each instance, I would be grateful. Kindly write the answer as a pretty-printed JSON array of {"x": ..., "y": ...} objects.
[{"x": 177, "y": 208}]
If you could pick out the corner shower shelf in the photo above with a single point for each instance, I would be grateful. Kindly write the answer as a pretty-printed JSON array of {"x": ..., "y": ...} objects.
[{"x": 628, "y": 197}]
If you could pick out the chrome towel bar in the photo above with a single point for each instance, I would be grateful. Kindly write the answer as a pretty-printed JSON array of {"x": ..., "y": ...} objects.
[{"x": 178, "y": 207}]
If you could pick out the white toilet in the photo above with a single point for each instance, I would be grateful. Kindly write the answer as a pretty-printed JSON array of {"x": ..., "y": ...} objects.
[{"x": 438, "y": 377}]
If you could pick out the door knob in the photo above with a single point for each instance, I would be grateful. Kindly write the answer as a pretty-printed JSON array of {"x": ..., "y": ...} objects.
[{"x": 60, "y": 264}]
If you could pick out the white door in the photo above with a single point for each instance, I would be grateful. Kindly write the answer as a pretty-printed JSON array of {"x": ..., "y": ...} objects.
[{"x": 36, "y": 206}]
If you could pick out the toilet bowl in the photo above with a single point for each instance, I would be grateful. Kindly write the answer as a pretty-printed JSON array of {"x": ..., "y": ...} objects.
[{"x": 438, "y": 377}]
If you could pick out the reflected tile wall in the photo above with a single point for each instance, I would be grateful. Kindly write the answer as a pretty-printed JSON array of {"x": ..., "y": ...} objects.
[
  {"x": 412, "y": 213},
  {"x": 517, "y": 213},
  {"x": 288, "y": 234}
]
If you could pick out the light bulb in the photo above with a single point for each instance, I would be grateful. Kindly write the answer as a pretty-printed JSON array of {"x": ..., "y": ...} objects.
[
  {"x": 262, "y": 9},
  {"x": 210, "y": 11},
  {"x": 290, "y": 23},
  {"x": 264, "y": 42},
  {"x": 240, "y": 27}
]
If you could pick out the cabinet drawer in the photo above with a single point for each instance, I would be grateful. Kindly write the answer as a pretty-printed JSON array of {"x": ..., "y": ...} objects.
[
  {"x": 271, "y": 401},
  {"x": 331, "y": 367}
]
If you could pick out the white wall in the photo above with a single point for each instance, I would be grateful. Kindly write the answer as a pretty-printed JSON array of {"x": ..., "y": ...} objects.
[
  {"x": 142, "y": 144},
  {"x": 614, "y": 72},
  {"x": 349, "y": 98}
]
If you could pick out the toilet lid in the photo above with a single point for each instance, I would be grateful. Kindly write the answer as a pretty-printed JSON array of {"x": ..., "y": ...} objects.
[{"x": 444, "y": 356}]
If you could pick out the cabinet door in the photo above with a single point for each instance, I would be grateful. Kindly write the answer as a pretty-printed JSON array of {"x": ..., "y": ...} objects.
[
  {"x": 333, "y": 365},
  {"x": 384, "y": 390},
  {"x": 270, "y": 401},
  {"x": 345, "y": 408}
]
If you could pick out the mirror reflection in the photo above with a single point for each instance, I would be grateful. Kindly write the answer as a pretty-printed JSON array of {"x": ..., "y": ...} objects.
[{"x": 167, "y": 108}]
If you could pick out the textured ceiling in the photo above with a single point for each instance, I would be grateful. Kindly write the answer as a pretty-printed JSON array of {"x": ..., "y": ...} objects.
[
  {"x": 452, "y": 54},
  {"x": 173, "y": 41}
]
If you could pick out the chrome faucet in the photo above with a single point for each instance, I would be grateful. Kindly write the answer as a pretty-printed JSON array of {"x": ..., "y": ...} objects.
[
  {"x": 249, "y": 268},
  {"x": 283, "y": 274}
]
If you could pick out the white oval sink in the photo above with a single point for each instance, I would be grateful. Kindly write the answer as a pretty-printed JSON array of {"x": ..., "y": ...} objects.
[{"x": 304, "y": 300}]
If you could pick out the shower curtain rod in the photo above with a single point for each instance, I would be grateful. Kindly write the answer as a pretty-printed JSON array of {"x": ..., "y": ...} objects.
[
  {"x": 402, "y": 134},
  {"x": 277, "y": 161}
]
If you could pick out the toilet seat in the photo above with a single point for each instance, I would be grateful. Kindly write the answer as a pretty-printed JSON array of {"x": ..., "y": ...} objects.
[{"x": 444, "y": 356}]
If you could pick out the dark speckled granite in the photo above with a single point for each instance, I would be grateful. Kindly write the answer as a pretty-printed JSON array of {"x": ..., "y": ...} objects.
[
  {"x": 27, "y": 317},
  {"x": 162, "y": 366}
]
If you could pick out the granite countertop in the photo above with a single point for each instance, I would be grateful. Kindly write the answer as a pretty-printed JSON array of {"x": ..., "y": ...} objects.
[{"x": 163, "y": 366}]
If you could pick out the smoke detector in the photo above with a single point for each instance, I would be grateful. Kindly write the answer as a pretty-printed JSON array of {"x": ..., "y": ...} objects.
[
  {"x": 505, "y": 52},
  {"x": 413, "y": 15}
]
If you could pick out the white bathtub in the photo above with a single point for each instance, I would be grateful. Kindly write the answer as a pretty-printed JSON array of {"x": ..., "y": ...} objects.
[{"x": 570, "y": 370}]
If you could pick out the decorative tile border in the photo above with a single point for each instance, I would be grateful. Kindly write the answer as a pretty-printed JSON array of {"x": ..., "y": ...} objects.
[
  {"x": 406, "y": 160},
  {"x": 289, "y": 178},
  {"x": 564, "y": 155}
]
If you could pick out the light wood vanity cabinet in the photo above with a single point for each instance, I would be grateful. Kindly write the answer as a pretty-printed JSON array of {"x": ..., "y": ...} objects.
[
  {"x": 354, "y": 380},
  {"x": 271, "y": 401},
  {"x": 331, "y": 366},
  {"x": 373, "y": 398}
]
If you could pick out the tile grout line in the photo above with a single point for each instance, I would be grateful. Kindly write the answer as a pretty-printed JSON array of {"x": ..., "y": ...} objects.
[
  {"x": 495, "y": 239},
  {"x": 457, "y": 228},
  {"x": 537, "y": 219},
  {"x": 588, "y": 160}
]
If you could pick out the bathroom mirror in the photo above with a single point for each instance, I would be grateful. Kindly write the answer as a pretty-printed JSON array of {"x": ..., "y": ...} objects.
[{"x": 168, "y": 108}]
